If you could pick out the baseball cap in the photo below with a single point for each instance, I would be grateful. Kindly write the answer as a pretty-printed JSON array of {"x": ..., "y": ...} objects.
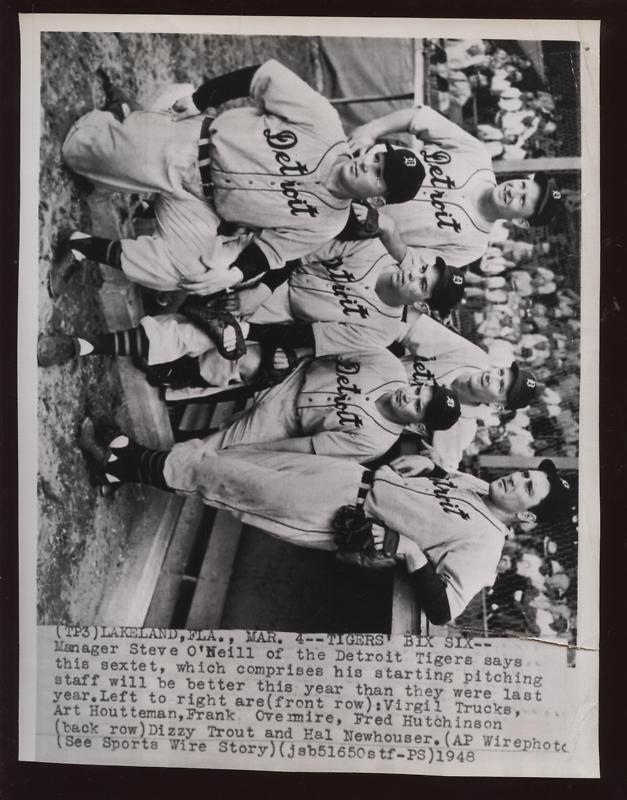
[
  {"x": 523, "y": 389},
  {"x": 549, "y": 201},
  {"x": 443, "y": 411},
  {"x": 449, "y": 290},
  {"x": 559, "y": 501},
  {"x": 403, "y": 174}
]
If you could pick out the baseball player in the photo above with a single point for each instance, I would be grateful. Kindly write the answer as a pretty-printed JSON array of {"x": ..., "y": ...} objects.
[
  {"x": 437, "y": 353},
  {"x": 282, "y": 169},
  {"x": 459, "y": 200},
  {"x": 353, "y": 407},
  {"x": 450, "y": 530},
  {"x": 355, "y": 287}
]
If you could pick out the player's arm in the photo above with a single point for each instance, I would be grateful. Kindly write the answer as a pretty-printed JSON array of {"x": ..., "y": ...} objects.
[
  {"x": 249, "y": 263},
  {"x": 297, "y": 444},
  {"x": 364, "y": 136},
  {"x": 281, "y": 92},
  {"x": 422, "y": 121},
  {"x": 215, "y": 92},
  {"x": 429, "y": 338},
  {"x": 391, "y": 238},
  {"x": 250, "y": 298},
  {"x": 448, "y": 446},
  {"x": 428, "y": 588},
  {"x": 322, "y": 338}
]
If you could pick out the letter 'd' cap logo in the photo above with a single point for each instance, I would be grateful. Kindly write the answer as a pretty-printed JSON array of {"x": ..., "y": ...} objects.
[
  {"x": 458, "y": 279},
  {"x": 531, "y": 384},
  {"x": 410, "y": 161},
  {"x": 450, "y": 402}
]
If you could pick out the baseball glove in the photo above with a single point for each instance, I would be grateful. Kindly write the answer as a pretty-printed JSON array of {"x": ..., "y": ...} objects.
[
  {"x": 213, "y": 317},
  {"x": 356, "y": 543},
  {"x": 355, "y": 229}
]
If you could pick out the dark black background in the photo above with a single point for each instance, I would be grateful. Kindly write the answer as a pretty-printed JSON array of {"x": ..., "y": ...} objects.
[{"x": 25, "y": 780}]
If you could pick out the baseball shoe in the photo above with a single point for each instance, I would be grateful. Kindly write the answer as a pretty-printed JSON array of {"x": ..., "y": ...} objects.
[
  {"x": 117, "y": 101},
  {"x": 65, "y": 266},
  {"x": 56, "y": 349},
  {"x": 97, "y": 440}
]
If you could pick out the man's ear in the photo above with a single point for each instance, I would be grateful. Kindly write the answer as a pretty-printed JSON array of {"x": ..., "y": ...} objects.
[
  {"x": 498, "y": 406},
  {"x": 417, "y": 427},
  {"x": 421, "y": 306},
  {"x": 526, "y": 516},
  {"x": 520, "y": 222},
  {"x": 376, "y": 202}
]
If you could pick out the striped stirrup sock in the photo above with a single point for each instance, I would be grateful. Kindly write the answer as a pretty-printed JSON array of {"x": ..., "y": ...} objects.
[
  {"x": 105, "y": 251},
  {"x": 132, "y": 342},
  {"x": 130, "y": 462}
]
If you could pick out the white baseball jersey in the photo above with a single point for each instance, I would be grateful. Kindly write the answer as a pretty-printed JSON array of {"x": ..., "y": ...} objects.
[
  {"x": 331, "y": 400},
  {"x": 268, "y": 168},
  {"x": 269, "y": 165},
  {"x": 438, "y": 353},
  {"x": 337, "y": 284},
  {"x": 443, "y": 217},
  {"x": 295, "y": 496}
]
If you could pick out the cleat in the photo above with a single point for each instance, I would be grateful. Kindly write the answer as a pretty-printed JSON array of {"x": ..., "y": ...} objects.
[
  {"x": 96, "y": 456},
  {"x": 95, "y": 440},
  {"x": 56, "y": 349},
  {"x": 119, "y": 110},
  {"x": 63, "y": 269},
  {"x": 117, "y": 101}
]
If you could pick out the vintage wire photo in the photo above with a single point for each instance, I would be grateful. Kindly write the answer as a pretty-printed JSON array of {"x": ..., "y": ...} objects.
[{"x": 305, "y": 358}]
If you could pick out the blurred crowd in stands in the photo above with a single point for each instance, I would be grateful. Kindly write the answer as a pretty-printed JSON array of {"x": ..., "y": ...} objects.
[
  {"x": 521, "y": 305},
  {"x": 533, "y": 595},
  {"x": 518, "y": 306},
  {"x": 482, "y": 86}
]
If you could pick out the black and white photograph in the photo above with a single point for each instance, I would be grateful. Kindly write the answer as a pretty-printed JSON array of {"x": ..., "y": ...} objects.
[{"x": 309, "y": 329}]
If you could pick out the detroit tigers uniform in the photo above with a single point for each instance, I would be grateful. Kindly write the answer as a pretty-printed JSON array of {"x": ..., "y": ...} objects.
[
  {"x": 294, "y": 496},
  {"x": 443, "y": 217},
  {"x": 332, "y": 400},
  {"x": 337, "y": 282},
  {"x": 333, "y": 288},
  {"x": 268, "y": 166},
  {"x": 437, "y": 353}
]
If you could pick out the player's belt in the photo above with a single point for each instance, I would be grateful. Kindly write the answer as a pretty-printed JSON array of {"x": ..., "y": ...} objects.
[
  {"x": 367, "y": 479},
  {"x": 204, "y": 158}
]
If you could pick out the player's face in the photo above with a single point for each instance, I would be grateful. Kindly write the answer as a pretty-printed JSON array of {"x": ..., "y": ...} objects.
[
  {"x": 413, "y": 284},
  {"x": 491, "y": 385},
  {"x": 363, "y": 176},
  {"x": 516, "y": 198},
  {"x": 519, "y": 491},
  {"x": 409, "y": 403}
]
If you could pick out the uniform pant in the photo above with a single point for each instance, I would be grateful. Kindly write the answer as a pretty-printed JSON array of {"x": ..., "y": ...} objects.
[
  {"x": 292, "y": 496},
  {"x": 274, "y": 416},
  {"x": 172, "y": 336},
  {"x": 148, "y": 152}
]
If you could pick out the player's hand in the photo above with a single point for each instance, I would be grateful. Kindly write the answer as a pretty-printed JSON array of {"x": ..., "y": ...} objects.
[
  {"x": 360, "y": 140},
  {"x": 412, "y": 466},
  {"x": 212, "y": 281},
  {"x": 183, "y": 108},
  {"x": 411, "y": 553},
  {"x": 360, "y": 211}
]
